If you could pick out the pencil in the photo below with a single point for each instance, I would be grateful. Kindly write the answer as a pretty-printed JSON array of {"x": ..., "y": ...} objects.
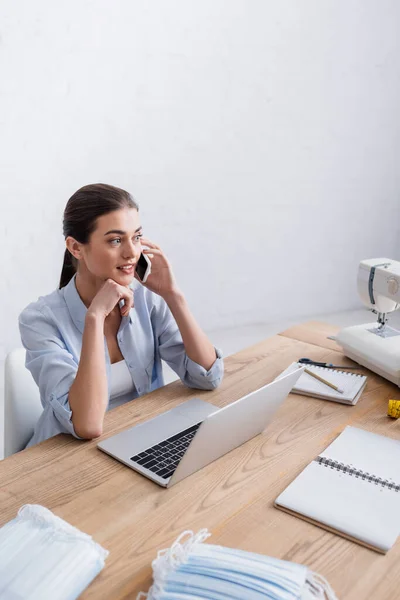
[{"x": 333, "y": 386}]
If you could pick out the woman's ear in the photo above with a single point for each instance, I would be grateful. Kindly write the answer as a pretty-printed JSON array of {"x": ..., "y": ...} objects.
[{"x": 74, "y": 247}]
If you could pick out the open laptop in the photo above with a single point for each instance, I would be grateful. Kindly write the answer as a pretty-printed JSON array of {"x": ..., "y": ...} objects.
[{"x": 186, "y": 438}]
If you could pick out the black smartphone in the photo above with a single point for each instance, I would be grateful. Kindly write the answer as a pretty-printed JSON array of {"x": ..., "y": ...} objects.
[{"x": 143, "y": 268}]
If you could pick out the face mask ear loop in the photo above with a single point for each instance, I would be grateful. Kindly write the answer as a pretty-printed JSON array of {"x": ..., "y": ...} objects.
[
  {"x": 317, "y": 588},
  {"x": 57, "y": 528},
  {"x": 170, "y": 559}
]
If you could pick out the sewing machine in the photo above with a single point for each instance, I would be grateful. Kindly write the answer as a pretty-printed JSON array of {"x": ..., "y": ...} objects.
[{"x": 376, "y": 345}]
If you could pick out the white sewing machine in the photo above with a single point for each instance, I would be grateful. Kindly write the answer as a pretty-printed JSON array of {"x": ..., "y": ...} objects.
[{"x": 376, "y": 345}]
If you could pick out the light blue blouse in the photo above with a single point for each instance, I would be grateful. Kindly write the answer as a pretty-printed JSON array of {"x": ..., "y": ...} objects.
[{"x": 51, "y": 332}]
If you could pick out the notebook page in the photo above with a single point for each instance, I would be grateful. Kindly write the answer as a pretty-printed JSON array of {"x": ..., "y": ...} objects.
[
  {"x": 369, "y": 452},
  {"x": 348, "y": 382},
  {"x": 349, "y": 505}
]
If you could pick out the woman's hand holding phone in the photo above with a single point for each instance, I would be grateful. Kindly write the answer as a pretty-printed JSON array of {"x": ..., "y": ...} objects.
[
  {"x": 161, "y": 279},
  {"x": 108, "y": 296}
]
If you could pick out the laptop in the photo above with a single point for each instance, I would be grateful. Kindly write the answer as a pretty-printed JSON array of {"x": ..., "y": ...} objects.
[{"x": 180, "y": 441}]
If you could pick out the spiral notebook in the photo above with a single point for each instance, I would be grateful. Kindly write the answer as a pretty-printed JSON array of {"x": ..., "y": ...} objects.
[
  {"x": 352, "y": 384},
  {"x": 353, "y": 489}
]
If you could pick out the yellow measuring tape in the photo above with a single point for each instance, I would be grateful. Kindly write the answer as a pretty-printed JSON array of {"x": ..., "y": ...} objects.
[{"x": 394, "y": 409}]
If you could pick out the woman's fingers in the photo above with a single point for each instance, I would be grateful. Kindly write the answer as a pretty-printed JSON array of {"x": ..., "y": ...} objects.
[
  {"x": 146, "y": 242},
  {"x": 158, "y": 255},
  {"x": 126, "y": 294},
  {"x": 109, "y": 295},
  {"x": 152, "y": 251}
]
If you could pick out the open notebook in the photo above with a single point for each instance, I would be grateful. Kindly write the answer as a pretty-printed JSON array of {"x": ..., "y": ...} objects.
[
  {"x": 353, "y": 489},
  {"x": 352, "y": 384}
]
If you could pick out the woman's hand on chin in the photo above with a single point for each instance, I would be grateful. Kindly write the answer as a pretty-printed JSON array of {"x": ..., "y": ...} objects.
[{"x": 108, "y": 297}]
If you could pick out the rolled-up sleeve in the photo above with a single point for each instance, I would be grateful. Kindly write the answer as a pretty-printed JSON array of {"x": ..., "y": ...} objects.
[
  {"x": 52, "y": 367},
  {"x": 172, "y": 351}
]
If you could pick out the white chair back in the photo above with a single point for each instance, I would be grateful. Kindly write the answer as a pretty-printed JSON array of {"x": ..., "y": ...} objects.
[{"x": 22, "y": 406}]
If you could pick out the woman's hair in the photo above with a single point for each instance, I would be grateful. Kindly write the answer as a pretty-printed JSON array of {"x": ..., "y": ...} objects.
[{"x": 81, "y": 213}]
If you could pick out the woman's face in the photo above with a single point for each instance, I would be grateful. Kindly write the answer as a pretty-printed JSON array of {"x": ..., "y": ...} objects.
[{"x": 114, "y": 246}]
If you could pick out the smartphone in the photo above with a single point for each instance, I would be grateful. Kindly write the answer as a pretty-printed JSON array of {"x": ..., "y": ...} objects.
[{"x": 143, "y": 268}]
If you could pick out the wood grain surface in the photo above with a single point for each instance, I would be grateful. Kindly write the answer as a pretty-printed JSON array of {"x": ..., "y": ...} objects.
[{"x": 233, "y": 497}]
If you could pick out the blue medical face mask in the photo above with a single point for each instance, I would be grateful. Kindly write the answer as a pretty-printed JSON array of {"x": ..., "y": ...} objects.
[
  {"x": 196, "y": 571},
  {"x": 42, "y": 556}
]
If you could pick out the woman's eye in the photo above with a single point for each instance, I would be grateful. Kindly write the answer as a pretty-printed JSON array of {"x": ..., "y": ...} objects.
[
  {"x": 138, "y": 236},
  {"x": 115, "y": 242}
]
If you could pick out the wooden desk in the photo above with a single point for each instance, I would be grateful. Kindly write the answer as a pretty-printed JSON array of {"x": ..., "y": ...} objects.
[{"x": 233, "y": 497}]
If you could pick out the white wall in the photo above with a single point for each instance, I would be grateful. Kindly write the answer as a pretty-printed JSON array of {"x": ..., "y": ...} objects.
[{"x": 261, "y": 140}]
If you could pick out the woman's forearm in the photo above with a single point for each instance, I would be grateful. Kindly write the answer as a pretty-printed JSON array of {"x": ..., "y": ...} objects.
[
  {"x": 197, "y": 345},
  {"x": 88, "y": 395}
]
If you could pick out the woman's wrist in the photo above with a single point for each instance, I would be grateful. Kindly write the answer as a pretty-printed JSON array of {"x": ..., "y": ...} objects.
[
  {"x": 94, "y": 318},
  {"x": 173, "y": 297}
]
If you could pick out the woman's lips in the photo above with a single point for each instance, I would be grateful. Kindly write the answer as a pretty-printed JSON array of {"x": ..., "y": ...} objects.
[{"x": 128, "y": 270}]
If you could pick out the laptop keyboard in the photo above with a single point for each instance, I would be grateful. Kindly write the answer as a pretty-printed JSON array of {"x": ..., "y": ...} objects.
[{"x": 163, "y": 458}]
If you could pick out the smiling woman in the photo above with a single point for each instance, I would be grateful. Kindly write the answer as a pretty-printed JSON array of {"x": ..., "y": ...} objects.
[{"x": 94, "y": 344}]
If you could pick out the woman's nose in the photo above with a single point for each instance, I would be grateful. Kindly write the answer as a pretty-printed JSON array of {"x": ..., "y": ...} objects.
[{"x": 131, "y": 250}]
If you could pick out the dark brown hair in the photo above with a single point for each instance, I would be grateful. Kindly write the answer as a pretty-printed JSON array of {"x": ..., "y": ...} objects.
[{"x": 80, "y": 215}]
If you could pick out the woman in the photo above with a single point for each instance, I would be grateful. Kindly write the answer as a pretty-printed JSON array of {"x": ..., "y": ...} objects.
[{"x": 95, "y": 343}]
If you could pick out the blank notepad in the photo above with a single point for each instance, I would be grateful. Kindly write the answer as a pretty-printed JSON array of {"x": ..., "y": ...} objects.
[
  {"x": 352, "y": 488},
  {"x": 352, "y": 384}
]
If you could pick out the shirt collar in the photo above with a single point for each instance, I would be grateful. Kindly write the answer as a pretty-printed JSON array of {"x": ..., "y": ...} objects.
[{"x": 76, "y": 307}]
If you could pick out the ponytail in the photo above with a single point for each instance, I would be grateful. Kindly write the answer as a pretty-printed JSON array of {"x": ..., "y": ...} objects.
[{"x": 68, "y": 269}]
